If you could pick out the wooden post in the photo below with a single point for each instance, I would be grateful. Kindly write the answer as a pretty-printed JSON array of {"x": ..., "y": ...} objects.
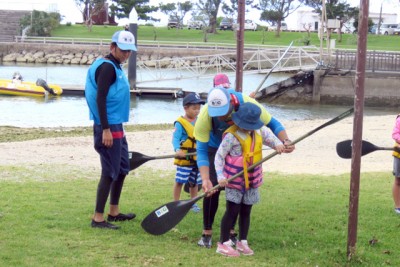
[
  {"x": 357, "y": 128},
  {"x": 133, "y": 18},
  {"x": 240, "y": 47}
]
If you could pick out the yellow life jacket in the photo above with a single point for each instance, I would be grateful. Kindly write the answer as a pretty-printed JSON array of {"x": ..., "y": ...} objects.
[
  {"x": 251, "y": 149},
  {"x": 396, "y": 154},
  {"x": 189, "y": 145}
]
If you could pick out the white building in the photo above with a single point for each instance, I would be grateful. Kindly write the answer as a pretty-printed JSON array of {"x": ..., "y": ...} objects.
[{"x": 302, "y": 19}]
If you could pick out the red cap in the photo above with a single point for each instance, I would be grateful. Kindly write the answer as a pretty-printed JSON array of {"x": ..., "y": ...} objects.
[{"x": 221, "y": 79}]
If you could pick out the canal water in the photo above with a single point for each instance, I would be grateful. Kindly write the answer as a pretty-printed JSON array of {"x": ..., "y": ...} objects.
[{"x": 70, "y": 111}]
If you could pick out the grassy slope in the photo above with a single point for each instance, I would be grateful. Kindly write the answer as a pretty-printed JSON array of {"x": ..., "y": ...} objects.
[
  {"x": 149, "y": 33},
  {"x": 301, "y": 221}
]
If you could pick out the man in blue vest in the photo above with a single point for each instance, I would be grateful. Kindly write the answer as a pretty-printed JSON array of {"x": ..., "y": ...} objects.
[{"x": 107, "y": 93}]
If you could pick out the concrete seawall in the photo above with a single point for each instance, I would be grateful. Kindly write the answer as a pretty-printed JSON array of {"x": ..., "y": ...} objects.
[
  {"x": 336, "y": 88},
  {"x": 380, "y": 89}
]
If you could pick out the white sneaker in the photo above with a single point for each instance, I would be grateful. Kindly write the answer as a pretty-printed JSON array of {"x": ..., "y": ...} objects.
[{"x": 397, "y": 210}]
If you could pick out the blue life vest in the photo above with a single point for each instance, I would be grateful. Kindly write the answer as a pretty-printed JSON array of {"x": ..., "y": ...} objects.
[{"x": 118, "y": 98}]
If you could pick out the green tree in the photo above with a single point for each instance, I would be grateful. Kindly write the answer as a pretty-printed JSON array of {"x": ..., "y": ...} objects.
[
  {"x": 40, "y": 23},
  {"x": 177, "y": 11},
  {"x": 122, "y": 8},
  {"x": 275, "y": 11},
  {"x": 370, "y": 24},
  {"x": 231, "y": 8}
]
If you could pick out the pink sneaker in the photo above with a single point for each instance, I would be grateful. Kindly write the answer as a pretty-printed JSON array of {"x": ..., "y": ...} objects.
[
  {"x": 226, "y": 250},
  {"x": 243, "y": 247}
]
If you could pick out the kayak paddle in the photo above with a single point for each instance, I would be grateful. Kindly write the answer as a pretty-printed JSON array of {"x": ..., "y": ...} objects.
[
  {"x": 165, "y": 217},
  {"x": 344, "y": 148},
  {"x": 136, "y": 159}
]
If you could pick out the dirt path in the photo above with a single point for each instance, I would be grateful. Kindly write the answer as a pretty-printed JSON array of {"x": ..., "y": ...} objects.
[{"x": 314, "y": 155}]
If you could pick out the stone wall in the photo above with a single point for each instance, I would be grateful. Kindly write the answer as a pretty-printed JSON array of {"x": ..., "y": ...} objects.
[
  {"x": 86, "y": 54},
  {"x": 9, "y": 24}
]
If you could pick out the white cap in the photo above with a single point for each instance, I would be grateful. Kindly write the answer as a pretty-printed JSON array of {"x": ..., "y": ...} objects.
[
  {"x": 125, "y": 40},
  {"x": 218, "y": 101}
]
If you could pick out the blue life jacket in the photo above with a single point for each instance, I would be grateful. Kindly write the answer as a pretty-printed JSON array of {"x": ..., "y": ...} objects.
[{"x": 118, "y": 98}]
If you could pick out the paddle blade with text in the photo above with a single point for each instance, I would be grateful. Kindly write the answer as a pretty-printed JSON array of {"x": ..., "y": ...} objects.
[
  {"x": 136, "y": 159},
  {"x": 165, "y": 217}
]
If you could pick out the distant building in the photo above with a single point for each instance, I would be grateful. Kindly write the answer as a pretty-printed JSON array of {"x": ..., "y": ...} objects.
[
  {"x": 308, "y": 18},
  {"x": 305, "y": 19},
  {"x": 101, "y": 17},
  {"x": 386, "y": 17}
]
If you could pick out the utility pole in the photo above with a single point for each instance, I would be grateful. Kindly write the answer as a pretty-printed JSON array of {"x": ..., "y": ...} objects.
[{"x": 380, "y": 19}]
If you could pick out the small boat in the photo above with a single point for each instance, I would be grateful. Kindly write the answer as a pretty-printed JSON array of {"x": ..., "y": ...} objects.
[{"x": 20, "y": 88}]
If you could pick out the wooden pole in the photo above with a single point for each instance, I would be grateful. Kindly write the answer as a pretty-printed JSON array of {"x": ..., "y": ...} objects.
[
  {"x": 321, "y": 32},
  {"x": 133, "y": 26},
  {"x": 240, "y": 46},
  {"x": 357, "y": 128}
]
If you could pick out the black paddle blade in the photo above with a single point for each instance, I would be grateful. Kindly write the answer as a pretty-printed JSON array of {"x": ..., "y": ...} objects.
[
  {"x": 344, "y": 149},
  {"x": 165, "y": 217},
  {"x": 136, "y": 159}
]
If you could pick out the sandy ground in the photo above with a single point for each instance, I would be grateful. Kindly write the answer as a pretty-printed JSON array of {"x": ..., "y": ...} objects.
[{"x": 314, "y": 155}]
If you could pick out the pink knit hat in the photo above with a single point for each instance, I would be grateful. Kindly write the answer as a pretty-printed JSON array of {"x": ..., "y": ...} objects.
[{"x": 222, "y": 80}]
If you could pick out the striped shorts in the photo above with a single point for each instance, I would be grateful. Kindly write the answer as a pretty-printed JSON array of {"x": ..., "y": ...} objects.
[{"x": 187, "y": 174}]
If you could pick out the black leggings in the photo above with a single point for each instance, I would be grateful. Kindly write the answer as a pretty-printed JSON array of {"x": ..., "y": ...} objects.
[
  {"x": 229, "y": 218},
  {"x": 108, "y": 186}
]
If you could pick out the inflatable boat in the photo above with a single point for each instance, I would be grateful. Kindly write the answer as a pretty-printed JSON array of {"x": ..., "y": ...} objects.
[{"x": 21, "y": 88}]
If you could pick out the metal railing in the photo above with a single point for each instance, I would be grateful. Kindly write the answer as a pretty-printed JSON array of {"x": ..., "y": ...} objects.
[
  {"x": 258, "y": 61},
  {"x": 377, "y": 61},
  {"x": 147, "y": 43},
  {"x": 61, "y": 40}
]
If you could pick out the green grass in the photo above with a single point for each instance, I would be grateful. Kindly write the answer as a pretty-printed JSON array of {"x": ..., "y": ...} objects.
[
  {"x": 45, "y": 213},
  {"x": 16, "y": 134},
  {"x": 148, "y": 33}
]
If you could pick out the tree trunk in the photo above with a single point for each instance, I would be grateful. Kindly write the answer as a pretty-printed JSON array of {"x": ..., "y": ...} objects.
[
  {"x": 278, "y": 28},
  {"x": 213, "y": 25},
  {"x": 340, "y": 33}
]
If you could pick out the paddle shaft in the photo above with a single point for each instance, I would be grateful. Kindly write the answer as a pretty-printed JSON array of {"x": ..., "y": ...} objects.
[
  {"x": 173, "y": 156},
  {"x": 273, "y": 154},
  {"x": 273, "y": 67},
  {"x": 386, "y": 148}
]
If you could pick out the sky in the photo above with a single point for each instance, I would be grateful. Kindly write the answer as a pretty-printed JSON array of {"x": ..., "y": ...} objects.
[{"x": 72, "y": 14}]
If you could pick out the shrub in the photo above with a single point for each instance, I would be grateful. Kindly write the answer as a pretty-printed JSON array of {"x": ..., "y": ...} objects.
[{"x": 41, "y": 23}]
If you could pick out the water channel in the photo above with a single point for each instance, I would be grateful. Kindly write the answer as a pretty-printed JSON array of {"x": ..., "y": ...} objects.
[{"x": 70, "y": 111}]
